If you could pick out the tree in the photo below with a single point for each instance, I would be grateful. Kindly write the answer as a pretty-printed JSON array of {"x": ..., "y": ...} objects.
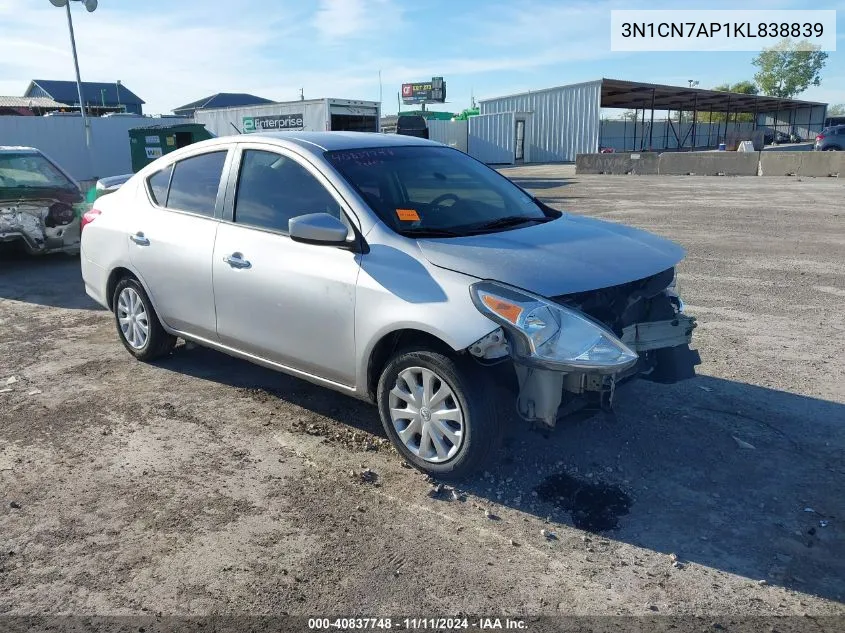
[
  {"x": 742, "y": 87},
  {"x": 837, "y": 109},
  {"x": 789, "y": 68}
]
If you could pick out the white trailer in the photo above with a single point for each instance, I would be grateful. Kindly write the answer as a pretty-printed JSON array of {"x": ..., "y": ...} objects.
[{"x": 312, "y": 115}]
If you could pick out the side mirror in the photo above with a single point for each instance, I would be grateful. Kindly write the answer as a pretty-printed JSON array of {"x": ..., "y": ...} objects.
[{"x": 318, "y": 228}]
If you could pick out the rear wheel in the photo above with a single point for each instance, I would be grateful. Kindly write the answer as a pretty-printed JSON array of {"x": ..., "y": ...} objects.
[
  {"x": 438, "y": 413},
  {"x": 138, "y": 325}
]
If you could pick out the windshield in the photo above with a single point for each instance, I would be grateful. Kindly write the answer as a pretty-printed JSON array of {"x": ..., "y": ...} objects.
[
  {"x": 27, "y": 169},
  {"x": 435, "y": 191}
]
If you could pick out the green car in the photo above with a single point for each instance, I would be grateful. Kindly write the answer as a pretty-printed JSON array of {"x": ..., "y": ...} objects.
[{"x": 40, "y": 203}]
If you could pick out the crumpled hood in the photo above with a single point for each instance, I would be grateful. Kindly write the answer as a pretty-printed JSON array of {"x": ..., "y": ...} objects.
[{"x": 569, "y": 254}]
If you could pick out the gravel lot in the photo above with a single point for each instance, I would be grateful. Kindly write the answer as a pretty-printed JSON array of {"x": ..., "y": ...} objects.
[{"x": 203, "y": 484}]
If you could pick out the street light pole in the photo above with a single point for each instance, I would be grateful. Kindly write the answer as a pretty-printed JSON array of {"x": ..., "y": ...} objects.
[
  {"x": 85, "y": 123},
  {"x": 90, "y": 6}
]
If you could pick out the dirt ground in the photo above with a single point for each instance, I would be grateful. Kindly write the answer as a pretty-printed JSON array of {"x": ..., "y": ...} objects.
[{"x": 203, "y": 484}]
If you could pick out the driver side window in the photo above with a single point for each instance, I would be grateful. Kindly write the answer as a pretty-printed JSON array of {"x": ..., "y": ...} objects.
[{"x": 273, "y": 188}]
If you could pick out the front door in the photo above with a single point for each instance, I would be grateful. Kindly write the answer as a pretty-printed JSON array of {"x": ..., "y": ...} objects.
[
  {"x": 519, "y": 148},
  {"x": 171, "y": 241},
  {"x": 281, "y": 300}
]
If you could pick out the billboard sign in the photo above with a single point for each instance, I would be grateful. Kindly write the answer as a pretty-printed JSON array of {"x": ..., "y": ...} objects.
[
  {"x": 433, "y": 91},
  {"x": 273, "y": 122}
]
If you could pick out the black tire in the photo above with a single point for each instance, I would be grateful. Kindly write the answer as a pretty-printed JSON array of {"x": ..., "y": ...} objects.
[
  {"x": 159, "y": 343},
  {"x": 482, "y": 429}
]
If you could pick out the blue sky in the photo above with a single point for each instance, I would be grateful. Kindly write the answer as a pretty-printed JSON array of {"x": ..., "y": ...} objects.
[{"x": 172, "y": 52}]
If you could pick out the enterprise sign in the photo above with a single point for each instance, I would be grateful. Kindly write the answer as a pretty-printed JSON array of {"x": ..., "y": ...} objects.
[{"x": 273, "y": 122}]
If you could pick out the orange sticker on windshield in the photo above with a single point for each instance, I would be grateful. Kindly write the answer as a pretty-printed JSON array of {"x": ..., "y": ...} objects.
[{"x": 407, "y": 215}]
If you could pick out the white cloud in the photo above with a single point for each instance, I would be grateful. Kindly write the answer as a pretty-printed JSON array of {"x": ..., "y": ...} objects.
[
  {"x": 171, "y": 57},
  {"x": 344, "y": 19}
]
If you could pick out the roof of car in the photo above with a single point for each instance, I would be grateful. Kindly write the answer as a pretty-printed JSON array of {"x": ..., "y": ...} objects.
[{"x": 342, "y": 140}]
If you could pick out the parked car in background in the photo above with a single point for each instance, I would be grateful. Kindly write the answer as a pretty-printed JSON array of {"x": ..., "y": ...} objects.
[
  {"x": 830, "y": 139},
  {"x": 775, "y": 137},
  {"x": 106, "y": 185},
  {"x": 393, "y": 269},
  {"x": 40, "y": 203},
  {"x": 412, "y": 125}
]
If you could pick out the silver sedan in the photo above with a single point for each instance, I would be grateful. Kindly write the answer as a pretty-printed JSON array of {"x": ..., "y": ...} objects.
[{"x": 391, "y": 268}]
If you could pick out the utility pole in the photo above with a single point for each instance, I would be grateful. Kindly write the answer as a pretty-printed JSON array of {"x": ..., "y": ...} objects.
[{"x": 91, "y": 6}]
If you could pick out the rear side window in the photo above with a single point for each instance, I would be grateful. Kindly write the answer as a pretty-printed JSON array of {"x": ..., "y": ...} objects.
[
  {"x": 273, "y": 188},
  {"x": 195, "y": 183},
  {"x": 158, "y": 183}
]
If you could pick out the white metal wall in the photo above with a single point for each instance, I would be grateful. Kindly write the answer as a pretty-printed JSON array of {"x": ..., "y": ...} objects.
[
  {"x": 451, "y": 133},
  {"x": 564, "y": 121},
  {"x": 491, "y": 138},
  {"x": 62, "y": 138}
]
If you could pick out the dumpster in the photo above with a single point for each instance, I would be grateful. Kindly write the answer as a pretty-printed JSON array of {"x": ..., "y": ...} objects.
[{"x": 148, "y": 143}]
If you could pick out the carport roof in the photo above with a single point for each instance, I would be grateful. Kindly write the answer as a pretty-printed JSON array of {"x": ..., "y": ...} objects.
[{"x": 616, "y": 93}]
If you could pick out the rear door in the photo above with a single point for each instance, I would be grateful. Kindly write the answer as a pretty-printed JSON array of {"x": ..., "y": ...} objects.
[
  {"x": 281, "y": 300},
  {"x": 171, "y": 241}
]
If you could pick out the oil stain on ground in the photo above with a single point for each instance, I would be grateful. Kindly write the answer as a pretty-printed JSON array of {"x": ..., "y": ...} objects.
[{"x": 594, "y": 507}]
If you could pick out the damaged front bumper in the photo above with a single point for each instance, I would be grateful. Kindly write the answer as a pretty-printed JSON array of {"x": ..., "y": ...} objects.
[
  {"x": 43, "y": 226},
  {"x": 547, "y": 393}
]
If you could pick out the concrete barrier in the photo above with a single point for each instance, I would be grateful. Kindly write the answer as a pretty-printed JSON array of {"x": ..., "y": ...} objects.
[
  {"x": 709, "y": 163},
  {"x": 819, "y": 164},
  {"x": 811, "y": 164},
  {"x": 642, "y": 163}
]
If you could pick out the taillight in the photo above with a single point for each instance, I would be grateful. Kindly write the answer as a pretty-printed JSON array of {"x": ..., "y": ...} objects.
[
  {"x": 59, "y": 214},
  {"x": 819, "y": 137},
  {"x": 88, "y": 217}
]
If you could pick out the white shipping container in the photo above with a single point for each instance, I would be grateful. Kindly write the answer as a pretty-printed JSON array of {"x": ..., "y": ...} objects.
[{"x": 311, "y": 115}]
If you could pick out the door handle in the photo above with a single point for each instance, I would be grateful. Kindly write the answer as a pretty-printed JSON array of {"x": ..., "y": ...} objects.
[
  {"x": 236, "y": 260},
  {"x": 139, "y": 239}
]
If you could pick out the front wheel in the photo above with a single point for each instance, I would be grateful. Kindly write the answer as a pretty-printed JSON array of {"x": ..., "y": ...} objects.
[{"x": 438, "y": 413}]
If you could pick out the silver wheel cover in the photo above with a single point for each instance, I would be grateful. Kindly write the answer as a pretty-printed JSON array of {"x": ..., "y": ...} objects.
[
  {"x": 426, "y": 415},
  {"x": 132, "y": 318}
]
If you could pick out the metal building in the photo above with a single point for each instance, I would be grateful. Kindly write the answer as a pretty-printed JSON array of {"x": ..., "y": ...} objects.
[
  {"x": 548, "y": 125},
  {"x": 556, "y": 124},
  {"x": 99, "y": 97}
]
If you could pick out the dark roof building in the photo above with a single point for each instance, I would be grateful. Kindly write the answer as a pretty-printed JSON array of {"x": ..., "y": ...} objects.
[
  {"x": 99, "y": 97},
  {"x": 220, "y": 100}
]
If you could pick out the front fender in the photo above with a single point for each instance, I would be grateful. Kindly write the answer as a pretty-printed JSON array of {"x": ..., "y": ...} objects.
[{"x": 396, "y": 292}]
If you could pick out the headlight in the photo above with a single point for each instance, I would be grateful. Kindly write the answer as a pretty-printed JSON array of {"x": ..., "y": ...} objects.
[
  {"x": 672, "y": 291},
  {"x": 551, "y": 335}
]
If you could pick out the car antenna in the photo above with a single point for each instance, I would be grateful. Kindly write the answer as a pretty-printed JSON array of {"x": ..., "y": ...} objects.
[{"x": 236, "y": 127}]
